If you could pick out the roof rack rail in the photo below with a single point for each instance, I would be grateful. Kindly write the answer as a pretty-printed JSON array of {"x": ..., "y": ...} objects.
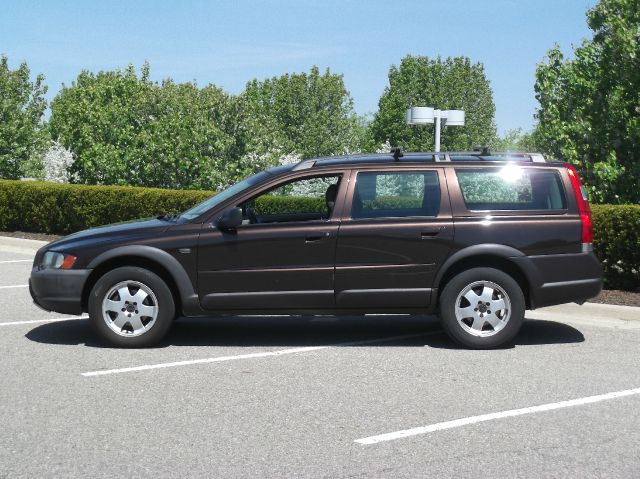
[
  {"x": 484, "y": 151},
  {"x": 304, "y": 165},
  {"x": 535, "y": 157},
  {"x": 483, "y": 154}
]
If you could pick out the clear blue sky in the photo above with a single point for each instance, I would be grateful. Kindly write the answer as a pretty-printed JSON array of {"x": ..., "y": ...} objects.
[{"x": 230, "y": 42}]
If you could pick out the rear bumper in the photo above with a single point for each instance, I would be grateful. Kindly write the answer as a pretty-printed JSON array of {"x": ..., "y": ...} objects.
[
  {"x": 563, "y": 278},
  {"x": 58, "y": 290},
  {"x": 576, "y": 291}
]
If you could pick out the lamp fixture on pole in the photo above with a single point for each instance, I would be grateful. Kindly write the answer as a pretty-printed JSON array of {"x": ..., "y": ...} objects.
[{"x": 423, "y": 115}]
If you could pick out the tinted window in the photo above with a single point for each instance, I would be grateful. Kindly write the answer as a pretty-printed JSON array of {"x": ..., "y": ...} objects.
[
  {"x": 511, "y": 188},
  {"x": 306, "y": 199},
  {"x": 396, "y": 194},
  {"x": 224, "y": 195}
]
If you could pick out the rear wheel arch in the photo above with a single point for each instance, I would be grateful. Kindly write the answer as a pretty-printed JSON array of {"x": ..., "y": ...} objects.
[{"x": 497, "y": 260}]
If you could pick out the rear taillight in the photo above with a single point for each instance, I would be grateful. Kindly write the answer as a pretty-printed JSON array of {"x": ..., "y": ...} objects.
[{"x": 583, "y": 206}]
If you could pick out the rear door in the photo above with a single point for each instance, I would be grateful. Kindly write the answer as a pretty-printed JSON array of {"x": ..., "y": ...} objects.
[{"x": 395, "y": 233}]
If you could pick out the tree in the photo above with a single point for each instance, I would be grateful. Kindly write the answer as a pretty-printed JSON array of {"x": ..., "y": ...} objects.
[
  {"x": 56, "y": 162},
  {"x": 516, "y": 140},
  {"x": 299, "y": 113},
  {"x": 453, "y": 83},
  {"x": 22, "y": 106},
  {"x": 589, "y": 106},
  {"x": 128, "y": 130}
]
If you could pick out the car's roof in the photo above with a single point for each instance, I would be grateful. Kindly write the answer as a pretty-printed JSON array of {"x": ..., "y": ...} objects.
[{"x": 440, "y": 158}]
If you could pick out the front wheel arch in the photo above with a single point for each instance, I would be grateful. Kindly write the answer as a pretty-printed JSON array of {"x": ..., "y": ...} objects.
[{"x": 136, "y": 261}]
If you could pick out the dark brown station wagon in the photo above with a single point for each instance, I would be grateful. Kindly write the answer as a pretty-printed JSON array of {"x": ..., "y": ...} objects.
[{"x": 477, "y": 237}]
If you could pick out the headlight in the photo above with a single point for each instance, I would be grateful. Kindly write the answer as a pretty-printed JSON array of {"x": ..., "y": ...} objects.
[{"x": 54, "y": 260}]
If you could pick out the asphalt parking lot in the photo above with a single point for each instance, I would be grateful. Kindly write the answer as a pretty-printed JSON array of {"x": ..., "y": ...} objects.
[{"x": 383, "y": 396}]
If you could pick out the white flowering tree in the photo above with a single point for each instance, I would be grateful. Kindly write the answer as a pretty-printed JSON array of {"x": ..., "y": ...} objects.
[
  {"x": 56, "y": 163},
  {"x": 314, "y": 187},
  {"x": 384, "y": 147}
]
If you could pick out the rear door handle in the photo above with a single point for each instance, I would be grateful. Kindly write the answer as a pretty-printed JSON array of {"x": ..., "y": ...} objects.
[{"x": 432, "y": 233}]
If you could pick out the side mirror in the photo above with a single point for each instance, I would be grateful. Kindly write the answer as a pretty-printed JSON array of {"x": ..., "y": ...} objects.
[{"x": 230, "y": 219}]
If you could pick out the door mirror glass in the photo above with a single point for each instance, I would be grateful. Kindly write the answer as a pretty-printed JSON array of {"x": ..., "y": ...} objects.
[{"x": 230, "y": 219}]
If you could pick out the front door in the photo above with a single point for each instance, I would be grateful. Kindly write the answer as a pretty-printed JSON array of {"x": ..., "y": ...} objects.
[
  {"x": 396, "y": 231},
  {"x": 282, "y": 257}
]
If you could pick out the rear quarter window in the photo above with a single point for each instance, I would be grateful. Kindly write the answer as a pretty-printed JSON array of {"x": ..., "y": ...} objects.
[{"x": 511, "y": 188}]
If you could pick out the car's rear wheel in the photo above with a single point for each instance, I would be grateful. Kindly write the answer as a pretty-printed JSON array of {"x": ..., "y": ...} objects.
[
  {"x": 131, "y": 307},
  {"x": 482, "y": 308}
]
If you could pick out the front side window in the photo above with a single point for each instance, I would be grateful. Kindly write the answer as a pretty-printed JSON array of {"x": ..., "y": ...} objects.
[
  {"x": 396, "y": 194},
  {"x": 511, "y": 188},
  {"x": 306, "y": 199},
  {"x": 224, "y": 195}
]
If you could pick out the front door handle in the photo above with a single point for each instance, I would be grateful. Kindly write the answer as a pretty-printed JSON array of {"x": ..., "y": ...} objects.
[{"x": 316, "y": 238}]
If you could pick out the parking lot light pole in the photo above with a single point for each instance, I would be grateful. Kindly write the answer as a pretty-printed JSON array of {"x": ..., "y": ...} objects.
[{"x": 423, "y": 115}]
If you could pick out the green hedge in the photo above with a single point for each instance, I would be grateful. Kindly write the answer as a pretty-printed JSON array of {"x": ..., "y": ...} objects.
[
  {"x": 61, "y": 209},
  {"x": 617, "y": 244},
  {"x": 392, "y": 203},
  {"x": 272, "y": 205}
]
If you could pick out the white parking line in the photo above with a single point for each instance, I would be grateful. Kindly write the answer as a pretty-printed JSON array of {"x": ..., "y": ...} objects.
[
  {"x": 265, "y": 354},
  {"x": 15, "y": 286},
  {"x": 15, "y": 323},
  {"x": 496, "y": 415},
  {"x": 17, "y": 261}
]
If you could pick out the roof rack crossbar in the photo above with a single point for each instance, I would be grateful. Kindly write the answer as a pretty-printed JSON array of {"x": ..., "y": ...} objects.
[{"x": 396, "y": 152}]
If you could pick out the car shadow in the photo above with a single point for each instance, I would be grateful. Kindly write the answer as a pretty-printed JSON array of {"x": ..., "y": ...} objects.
[{"x": 296, "y": 331}]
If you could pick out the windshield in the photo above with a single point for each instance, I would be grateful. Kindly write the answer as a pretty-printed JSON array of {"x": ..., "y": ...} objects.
[{"x": 223, "y": 195}]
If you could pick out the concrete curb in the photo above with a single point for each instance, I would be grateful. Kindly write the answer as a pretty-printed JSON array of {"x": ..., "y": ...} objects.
[
  {"x": 624, "y": 317},
  {"x": 29, "y": 247},
  {"x": 626, "y": 313},
  {"x": 615, "y": 308}
]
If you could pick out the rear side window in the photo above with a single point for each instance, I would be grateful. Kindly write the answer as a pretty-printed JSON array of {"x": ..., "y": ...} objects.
[
  {"x": 396, "y": 194},
  {"x": 511, "y": 188}
]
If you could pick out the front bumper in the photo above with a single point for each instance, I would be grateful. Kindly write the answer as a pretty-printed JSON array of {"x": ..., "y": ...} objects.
[{"x": 58, "y": 290}]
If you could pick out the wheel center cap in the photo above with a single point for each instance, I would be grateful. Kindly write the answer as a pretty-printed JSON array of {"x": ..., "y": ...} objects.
[
  {"x": 130, "y": 308},
  {"x": 482, "y": 308}
]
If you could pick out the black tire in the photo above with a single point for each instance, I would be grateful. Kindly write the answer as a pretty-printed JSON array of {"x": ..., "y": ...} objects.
[
  {"x": 461, "y": 334},
  {"x": 165, "y": 307}
]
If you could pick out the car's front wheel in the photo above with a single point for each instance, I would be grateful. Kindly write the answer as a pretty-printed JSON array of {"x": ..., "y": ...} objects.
[
  {"x": 482, "y": 308},
  {"x": 131, "y": 307}
]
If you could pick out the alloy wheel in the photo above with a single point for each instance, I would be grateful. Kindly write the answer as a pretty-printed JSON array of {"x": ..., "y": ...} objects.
[
  {"x": 483, "y": 308},
  {"x": 130, "y": 308}
]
